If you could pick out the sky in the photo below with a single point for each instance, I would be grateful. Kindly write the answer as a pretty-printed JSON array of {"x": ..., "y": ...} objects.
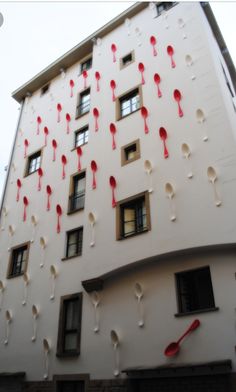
[{"x": 34, "y": 34}]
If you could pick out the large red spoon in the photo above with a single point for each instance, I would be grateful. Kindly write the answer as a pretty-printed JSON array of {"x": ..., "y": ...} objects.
[
  {"x": 79, "y": 153},
  {"x": 49, "y": 192},
  {"x": 68, "y": 119},
  {"x": 96, "y": 115},
  {"x": 141, "y": 70},
  {"x": 153, "y": 42},
  {"x": 26, "y": 202},
  {"x": 19, "y": 185},
  {"x": 114, "y": 49},
  {"x": 113, "y": 131},
  {"x": 59, "y": 213},
  {"x": 174, "y": 347},
  {"x": 64, "y": 162},
  {"x": 177, "y": 96},
  {"x": 46, "y": 132},
  {"x": 112, "y": 181},
  {"x": 85, "y": 75},
  {"x": 40, "y": 174},
  {"x": 170, "y": 51},
  {"x": 157, "y": 80},
  {"x": 71, "y": 87},
  {"x": 144, "y": 113},
  {"x": 26, "y": 143},
  {"x": 59, "y": 109},
  {"x": 94, "y": 169},
  {"x": 97, "y": 77},
  {"x": 113, "y": 86},
  {"x": 54, "y": 146},
  {"x": 39, "y": 120},
  {"x": 163, "y": 136}
]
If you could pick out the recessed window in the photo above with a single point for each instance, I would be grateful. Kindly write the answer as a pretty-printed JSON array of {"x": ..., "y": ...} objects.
[
  {"x": 83, "y": 106},
  {"x": 164, "y": 6},
  {"x": 127, "y": 60},
  {"x": 128, "y": 103},
  {"x": 70, "y": 382},
  {"x": 194, "y": 290},
  {"x": 68, "y": 343},
  {"x": 130, "y": 152},
  {"x": 45, "y": 89},
  {"x": 133, "y": 216},
  {"x": 33, "y": 163},
  {"x": 74, "y": 242},
  {"x": 87, "y": 64},
  {"x": 18, "y": 261},
  {"x": 77, "y": 192},
  {"x": 81, "y": 136}
]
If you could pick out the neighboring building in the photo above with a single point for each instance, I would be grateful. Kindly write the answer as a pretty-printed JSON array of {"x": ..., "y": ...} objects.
[{"x": 94, "y": 285}]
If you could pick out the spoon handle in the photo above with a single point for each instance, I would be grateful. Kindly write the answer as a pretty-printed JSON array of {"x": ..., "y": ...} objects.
[
  {"x": 166, "y": 154},
  {"x": 216, "y": 196}
]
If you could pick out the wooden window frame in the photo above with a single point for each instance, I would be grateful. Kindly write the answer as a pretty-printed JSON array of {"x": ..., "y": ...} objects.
[
  {"x": 166, "y": 5},
  {"x": 61, "y": 352},
  {"x": 80, "y": 130},
  {"x": 43, "y": 92},
  {"x": 119, "y": 205},
  {"x": 71, "y": 191},
  {"x": 66, "y": 245},
  {"x": 123, "y": 96},
  {"x": 84, "y": 60},
  {"x": 27, "y": 165},
  {"x": 10, "y": 263},
  {"x": 57, "y": 379},
  {"x": 122, "y": 65},
  {"x": 78, "y": 113},
  {"x": 125, "y": 161}
]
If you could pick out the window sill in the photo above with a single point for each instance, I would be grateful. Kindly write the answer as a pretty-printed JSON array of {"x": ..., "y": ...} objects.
[
  {"x": 81, "y": 145},
  {"x": 133, "y": 235},
  {"x": 81, "y": 115},
  {"x": 74, "y": 211},
  {"x": 16, "y": 275},
  {"x": 127, "y": 115},
  {"x": 197, "y": 312},
  {"x": 71, "y": 257},
  {"x": 67, "y": 354}
]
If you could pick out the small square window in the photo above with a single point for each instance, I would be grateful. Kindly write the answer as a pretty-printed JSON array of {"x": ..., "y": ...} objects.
[
  {"x": 194, "y": 290},
  {"x": 68, "y": 342},
  {"x": 127, "y": 60},
  {"x": 74, "y": 242},
  {"x": 33, "y": 163},
  {"x": 87, "y": 64},
  {"x": 81, "y": 136},
  {"x": 83, "y": 105},
  {"x": 130, "y": 152},
  {"x": 165, "y": 6},
  {"x": 128, "y": 103},
  {"x": 133, "y": 216},
  {"x": 18, "y": 261},
  {"x": 77, "y": 195},
  {"x": 45, "y": 89}
]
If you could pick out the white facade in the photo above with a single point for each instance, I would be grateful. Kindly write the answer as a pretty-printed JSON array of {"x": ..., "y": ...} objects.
[{"x": 202, "y": 230}]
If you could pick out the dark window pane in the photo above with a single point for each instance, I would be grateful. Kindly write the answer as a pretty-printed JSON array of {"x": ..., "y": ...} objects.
[
  {"x": 86, "y": 64},
  {"x": 133, "y": 217},
  {"x": 34, "y": 162},
  {"x": 19, "y": 258},
  {"x": 74, "y": 242},
  {"x": 130, "y": 103},
  {"x": 81, "y": 137}
]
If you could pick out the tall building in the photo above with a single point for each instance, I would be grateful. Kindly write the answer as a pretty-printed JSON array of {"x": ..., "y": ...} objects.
[{"x": 118, "y": 219}]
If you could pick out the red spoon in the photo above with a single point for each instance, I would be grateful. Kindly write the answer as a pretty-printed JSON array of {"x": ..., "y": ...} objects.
[
  {"x": 68, "y": 119},
  {"x": 144, "y": 113},
  {"x": 94, "y": 169},
  {"x": 157, "y": 80},
  {"x": 85, "y": 75},
  {"x": 64, "y": 162},
  {"x": 39, "y": 120},
  {"x": 178, "y": 97},
  {"x": 49, "y": 192},
  {"x": 26, "y": 143},
  {"x": 19, "y": 185},
  {"x": 59, "y": 109},
  {"x": 79, "y": 153},
  {"x": 141, "y": 70},
  {"x": 46, "y": 132},
  {"x": 54, "y": 146},
  {"x": 40, "y": 174},
  {"x": 114, "y": 49},
  {"x": 96, "y": 115},
  {"x": 113, "y": 131},
  {"x": 174, "y": 347},
  {"x": 112, "y": 181},
  {"x": 59, "y": 213},
  {"x": 26, "y": 202},
  {"x": 113, "y": 86},
  {"x": 71, "y": 87},
  {"x": 170, "y": 51},
  {"x": 153, "y": 42},
  {"x": 97, "y": 77},
  {"x": 163, "y": 136}
]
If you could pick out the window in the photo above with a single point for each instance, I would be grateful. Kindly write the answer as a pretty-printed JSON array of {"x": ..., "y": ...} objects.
[
  {"x": 133, "y": 216},
  {"x": 45, "y": 89},
  {"x": 130, "y": 152},
  {"x": 74, "y": 242},
  {"x": 70, "y": 386},
  {"x": 68, "y": 342},
  {"x": 77, "y": 196},
  {"x": 164, "y": 6},
  {"x": 81, "y": 136},
  {"x": 194, "y": 290},
  {"x": 87, "y": 64},
  {"x": 70, "y": 383},
  {"x": 33, "y": 163},
  {"x": 18, "y": 261},
  {"x": 127, "y": 60},
  {"x": 128, "y": 103},
  {"x": 83, "y": 103}
]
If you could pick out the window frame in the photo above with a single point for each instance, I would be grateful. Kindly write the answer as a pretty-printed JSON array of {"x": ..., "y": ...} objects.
[
  {"x": 122, "y": 65},
  {"x": 78, "y": 106},
  {"x": 77, "y": 229},
  {"x": 81, "y": 174},
  {"x": 61, "y": 352},
  {"x": 80, "y": 130},
  {"x": 124, "y": 160},
  {"x": 29, "y": 158},
  {"x": 126, "y": 95},
  {"x": 11, "y": 260},
  {"x": 166, "y": 5},
  {"x": 119, "y": 223},
  {"x": 60, "y": 378},
  {"x": 85, "y": 60},
  {"x": 43, "y": 91}
]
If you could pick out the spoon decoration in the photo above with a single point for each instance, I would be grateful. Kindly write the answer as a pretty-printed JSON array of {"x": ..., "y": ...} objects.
[
  {"x": 79, "y": 154},
  {"x": 64, "y": 162},
  {"x": 43, "y": 244},
  {"x": 186, "y": 154},
  {"x": 113, "y": 132},
  {"x": 95, "y": 301},
  {"x": 174, "y": 347},
  {"x": 68, "y": 119},
  {"x": 115, "y": 342},
  {"x": 94, "y": 169},
  {"x": 144, "y": 114},
  {"x": 59, "y": 109},
  {"x": 170, "y": 194},
  {"x": 212, "y": 176},
  {"x": 113, "y": 49},
  {"x": 59, "y": 213},
  {"x": 201, "y": 118},
  {"x": 46, "y": 132},
  {"x": 2, "y": 288},
  {"x": 148, "y": 171},
  {"x": 39, "y": 120},
  {"x": 54, "y": 146},
  {"x": 170, "y": 52},
  {"x": 49, "y": 192},
  {"x": 92, "y": 221},
  {"x": 40, "y": 175},
  {"x": 46, "y": 351},
  {"x": 96, "y": 115},
  {"x": 26, "y": 280},
  {"x": 97, "y": 77},
  {"x": 72, "y": 84},
  {"x": 8, "y": 316},
  {"x": 85, "y": 75},
  {"x": 26, "y": 144},
  {"x": 141, "y": 70},
  {"x": 35, "y": 315},
  {"x": 153, "y": 42},
  {"x": 34, "y": 222},
  {"x": 157, "y": 80},
  {"x": 112, "y": 181},
  {"x": 138, "y": 291},
  {"x": 19, "y": 185},
  {"x": 26, "y": 203},
  {"x": 113, "y": 86},
  {"x": 53, "y": 273},
  {"x": 177, "y": 97},
  {"x": 163, "y": 136}
]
